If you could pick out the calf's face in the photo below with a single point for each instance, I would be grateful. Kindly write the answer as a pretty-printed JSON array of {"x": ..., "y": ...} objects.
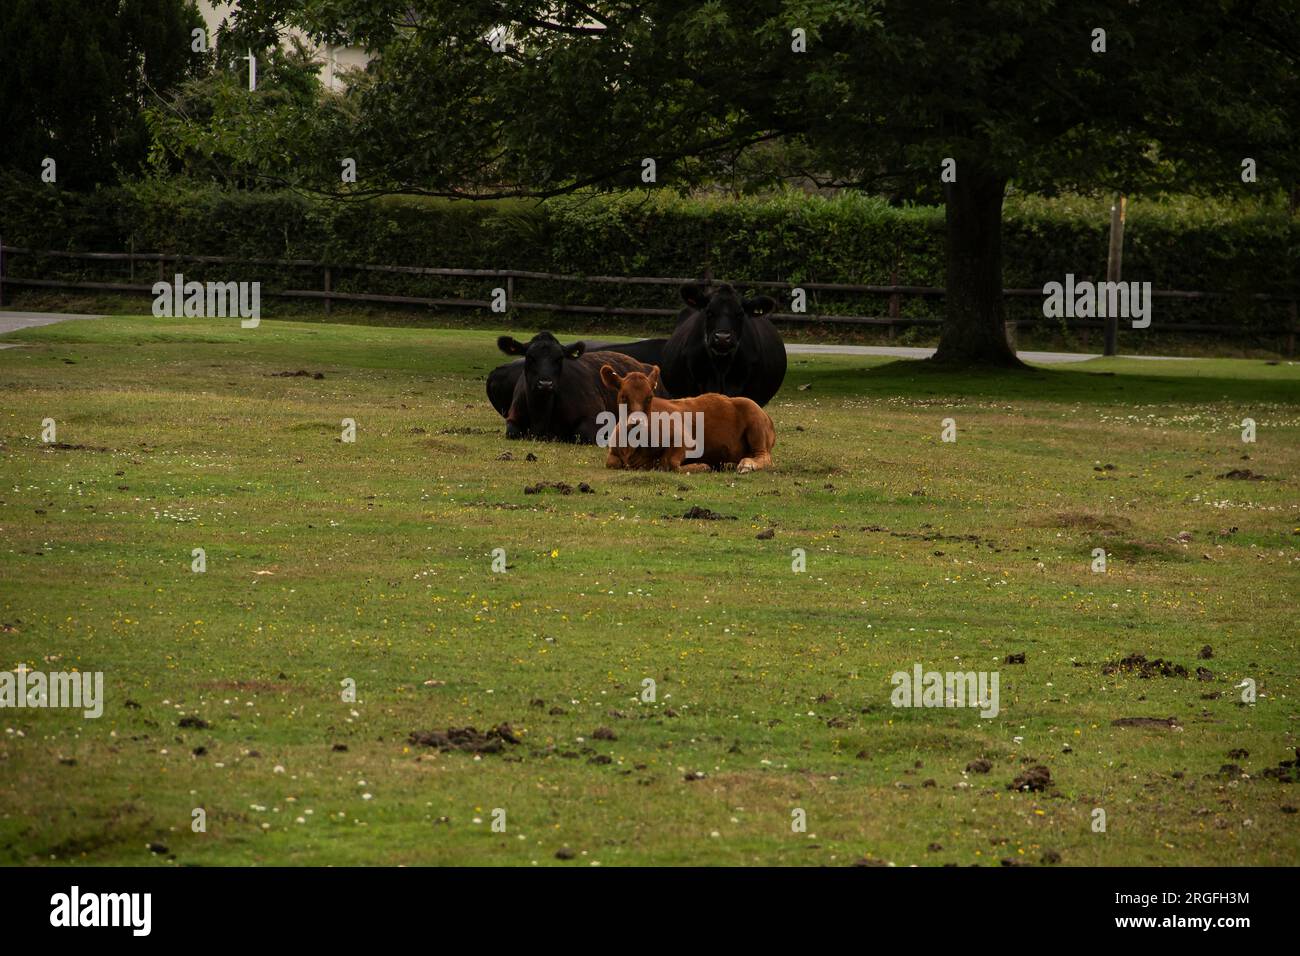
[
  {"x": 725, "y": 315},
  {"x": 544, "y": 359},
  {"x": 635, "y": 389}
]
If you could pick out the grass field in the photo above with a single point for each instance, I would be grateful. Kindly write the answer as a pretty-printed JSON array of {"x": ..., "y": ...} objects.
[{"x": 372, "y": 561}]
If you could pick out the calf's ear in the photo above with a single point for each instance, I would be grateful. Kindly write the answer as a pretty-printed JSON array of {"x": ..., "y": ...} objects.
[
  {"x": 575, "y": 350},
  {"x": 511, "y": 346},
  {"x": 759, "y": 305},
  {"x": 694, "y": 296},
  {"x": 610, "y": 378},
  {"x": 654, "y": 377}
]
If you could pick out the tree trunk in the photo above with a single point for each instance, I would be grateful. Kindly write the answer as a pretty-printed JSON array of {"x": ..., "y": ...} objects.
[{"x": 974, "y": 324}]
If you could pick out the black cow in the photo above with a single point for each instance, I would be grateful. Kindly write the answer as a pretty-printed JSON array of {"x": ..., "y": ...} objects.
[
  {"x": 724, "y": 344},
  {"x": 501, "y": 381},
  {"x": 560, "y": 393}
]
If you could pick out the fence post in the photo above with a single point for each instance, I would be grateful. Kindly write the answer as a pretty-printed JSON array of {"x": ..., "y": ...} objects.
[
  {"x": 2, "y": 271},
  {"x": 510, "y": 293},
  {"x": 1290, "y": 339},
  {"x": 131, "y": 261},
  {"x": 1114, "y": 262},
  {"x": 895, "y": 300},
  {"x": 327, "y": 289}
]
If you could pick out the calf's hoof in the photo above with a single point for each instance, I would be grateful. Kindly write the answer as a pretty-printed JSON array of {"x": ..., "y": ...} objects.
[{"x": 745, "y": 467}]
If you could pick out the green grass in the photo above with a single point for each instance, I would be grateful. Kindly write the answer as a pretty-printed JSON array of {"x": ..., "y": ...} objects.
[{"x": 372, "y": 561}]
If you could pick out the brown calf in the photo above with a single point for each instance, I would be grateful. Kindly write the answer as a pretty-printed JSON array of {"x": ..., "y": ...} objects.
[{"x": 735, "y": 430}]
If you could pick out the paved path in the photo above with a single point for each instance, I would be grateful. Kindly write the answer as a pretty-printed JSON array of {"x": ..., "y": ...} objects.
[
  {"x": 1039, "y": 358},
  {"x": 13, "y": 321}
]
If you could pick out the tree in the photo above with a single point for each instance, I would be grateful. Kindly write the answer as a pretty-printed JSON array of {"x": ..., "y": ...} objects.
[
  {"x": 74, "y": 77},
  {"x": 476, "y": 98},
  {"x": 214, "y": 127}
]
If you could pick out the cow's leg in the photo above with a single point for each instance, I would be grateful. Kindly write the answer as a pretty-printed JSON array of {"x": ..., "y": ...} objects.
[
  {"x": 760, "y": 436},
  {"x": 693, "y": 468},
  {"x": 672, "y": 461}
]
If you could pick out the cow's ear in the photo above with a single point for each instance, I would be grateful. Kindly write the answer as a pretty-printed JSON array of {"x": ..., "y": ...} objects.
[
  {"x": 575, "y": 350},
  {"x": 654, "y": 377},
  {"x": 610, "y": 378},
  {"x": 759, "y": 305},
  {"x": 511, "y": 346},
  {"x": 694, "y": 296}
]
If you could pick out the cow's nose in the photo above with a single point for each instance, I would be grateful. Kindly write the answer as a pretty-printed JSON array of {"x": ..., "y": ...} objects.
[{"x": 545, "y": 384}]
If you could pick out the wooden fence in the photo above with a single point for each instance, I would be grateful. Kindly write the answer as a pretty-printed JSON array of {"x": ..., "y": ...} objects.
[{"x": 508, "y": 277}]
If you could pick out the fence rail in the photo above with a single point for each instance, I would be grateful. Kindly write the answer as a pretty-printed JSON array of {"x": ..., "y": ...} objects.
[{"x": 329, "y": 295}]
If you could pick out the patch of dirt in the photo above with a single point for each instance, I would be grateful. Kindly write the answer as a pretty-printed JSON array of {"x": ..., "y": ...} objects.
[
  {"x": 562, "y": 487},
  {"x": 64, "y": 446},
  {"x": 466, "y": 430},
  {"x": 1241, "y": 474},
  {"x": 1015, "y": 658},
  {"x": 696, "y": 513},
  {"x": 193, "y": 723},
  {"x": 1034, "y": 779},
  {"x": 927, "y": 535},
  {"x": 467, "y": 739},
  {"x": 301, "y": 373},
  {"x": 767, "y": 535},
  {"x": 1134, "y": 551},
  {"x": 248, "y": 685},
  {"x": 1085, "y": 521},
  {"x": 1139, "y": 665},
  {"x": 1285, "y": 771},
  {"x": 979, "y": 765},
  {"x": 1166, "y": 722}
]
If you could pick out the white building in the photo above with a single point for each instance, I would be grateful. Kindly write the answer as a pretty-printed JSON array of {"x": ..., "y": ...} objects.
[{"x": 335, "y": 58}]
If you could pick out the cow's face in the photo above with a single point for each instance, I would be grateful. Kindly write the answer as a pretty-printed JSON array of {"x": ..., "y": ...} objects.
[
  {"x": 635, "y": 389},
  {"x": 725, "y": 315},
  {"x": 544, "y": 359}
]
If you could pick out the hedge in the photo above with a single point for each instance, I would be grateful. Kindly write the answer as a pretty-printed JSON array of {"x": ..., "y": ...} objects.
[{"x": 1183, "y": 243}]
